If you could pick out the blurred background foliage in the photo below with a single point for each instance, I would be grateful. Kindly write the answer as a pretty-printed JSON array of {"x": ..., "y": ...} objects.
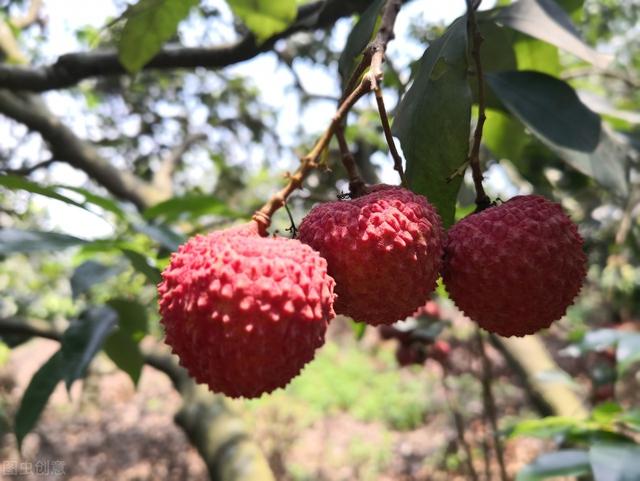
[{"x": 76, "y": 259}]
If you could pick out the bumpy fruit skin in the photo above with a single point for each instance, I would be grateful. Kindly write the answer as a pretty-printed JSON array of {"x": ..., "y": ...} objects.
[
  {"x": 384, "y": 250},
  {"x": 245, "y": 313},
  {"x": 516, "y": 267}
]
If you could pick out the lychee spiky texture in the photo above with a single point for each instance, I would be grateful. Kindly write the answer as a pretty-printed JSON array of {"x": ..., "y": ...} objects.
[
  {"x": 515, "y": 268},
  {"x": 383, "y": 249},
  {"x": 245, "y": 313}
]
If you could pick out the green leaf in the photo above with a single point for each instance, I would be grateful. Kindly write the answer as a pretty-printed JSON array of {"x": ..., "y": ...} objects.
[
  {"x": 15, "y": 182},
  {"x": 628, "y": 352},
  {"x": 553, "y": 112},
  {"x": 606, "y": 413},
  {"x": 544, "y": 428},
  {"x": 132, "y": 317},
  {"x": 15, "y": 240},
  {"x": 599, "y": 340},
  {"x": 568, "y": 462},
  {"x": 90, "y": 273},
  {"x": 615, "y": 462},
  {"x": 545, "y": 20},
  {"x": 360, "y": 36},
  {"x": 141, "y": 264},
  {"x": 149, "y": 24},
  {"x": 359, "y": 328},
  {"x": 162, "y": 234},
  {"x": 573, "y": 7},
  {"x": 190, "y": 206},
  {"x": 503, "y": 135},
  {"x": 122, "y": 346},
  {"x": 434, "y": 118},
  {"x": 83, "y": 339},
  {"x": 91, "y": 198},
  {"x": 533, "y": 54},
  {"x": 35, "y": 397},
  {"x": 20, "y": 183},
  {"x": 265, "y": 17}
]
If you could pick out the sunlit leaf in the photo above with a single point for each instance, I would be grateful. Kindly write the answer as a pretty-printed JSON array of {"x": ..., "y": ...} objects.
[
  {"x": 265, "y": 17},
  {"x": 544, "y": 428},
  {"x": 149, "y": 24},
  {"x": 359, "y": 328},
  {"x": 545, "y": 20},
  {"x": 504, "y": 135}
]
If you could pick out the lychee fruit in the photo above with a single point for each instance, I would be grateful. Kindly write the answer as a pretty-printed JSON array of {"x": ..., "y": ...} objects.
[
  {"x": 515, "y": 268},
  {"x": 383, "y": 249},
  {"x": 245, "y": 313},
  {"x": 431, "y": 309},
  {"x": 408, "y": 354}
]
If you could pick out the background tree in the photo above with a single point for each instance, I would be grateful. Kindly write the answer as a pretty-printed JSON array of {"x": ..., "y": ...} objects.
[{"x": 155, "y": 129}]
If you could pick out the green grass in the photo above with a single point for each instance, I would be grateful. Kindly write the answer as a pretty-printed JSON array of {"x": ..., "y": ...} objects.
[{"x": 346, "y": 378}]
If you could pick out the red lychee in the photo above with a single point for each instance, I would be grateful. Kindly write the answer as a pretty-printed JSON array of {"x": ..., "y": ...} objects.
[
  {"x": 245, "y": 313},
  {"x": 430, "y": 309},
  {"x": 407, "y": 354},
  {"x": 516, "y": 267},
  {"x": 383, "y": 249}
]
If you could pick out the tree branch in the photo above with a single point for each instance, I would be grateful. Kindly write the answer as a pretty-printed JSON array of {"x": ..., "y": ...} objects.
[
  {"x": 163, "y": 177},
  {"x": 482, "y": 200},
  {"x": 24, "y": 171},
  {"x": 71, "y": 68},
  {"x": 66, "y": 146},
  {"x": 29, "y": 18}
]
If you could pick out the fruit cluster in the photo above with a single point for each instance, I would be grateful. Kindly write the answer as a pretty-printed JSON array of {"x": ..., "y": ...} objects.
[
  {"x": 417, "y": 337},
  {"x": 245, "y": 313}
]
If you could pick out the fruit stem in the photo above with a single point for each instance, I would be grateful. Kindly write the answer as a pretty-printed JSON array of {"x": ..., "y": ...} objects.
[
  {"x": 366, "y": 77},
  {"x": 309, "y": 161},
  {"x": 386, "y": 127},
  {"x": 482, "y": 200},
  {"x": 356, "y": 184}
]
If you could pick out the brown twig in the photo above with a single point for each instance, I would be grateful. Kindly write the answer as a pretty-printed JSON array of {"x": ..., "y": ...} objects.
[
  {"x": 386, "y": 127},
  {"x": 356, "y": 184},
  {"x": 482, "y": 200},
  {"x": 489, "y": 404},
  {"x": 24, "y": 171},
  {"x": 629, "y": 81},
  {"x": 309, "y": 161},
  {"x": 458, "y": 422},
  {"x": 370, "y": 81}
]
